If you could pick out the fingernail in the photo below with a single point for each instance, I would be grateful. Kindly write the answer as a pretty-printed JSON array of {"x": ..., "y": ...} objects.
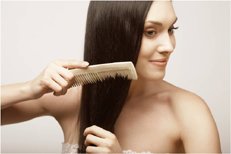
[{"x": 85, "y": 63}]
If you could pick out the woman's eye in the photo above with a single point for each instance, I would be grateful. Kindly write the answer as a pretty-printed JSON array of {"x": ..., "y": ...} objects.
[
  {"x": 172, "y": 29},
  {"x": 150, "y": 33}
]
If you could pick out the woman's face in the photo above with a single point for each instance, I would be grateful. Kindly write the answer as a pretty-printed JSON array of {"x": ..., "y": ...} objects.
[{"x": 158, "y": 41}]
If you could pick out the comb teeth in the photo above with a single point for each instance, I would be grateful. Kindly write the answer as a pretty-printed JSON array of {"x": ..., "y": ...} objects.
[{"x": 100, "y": 72}]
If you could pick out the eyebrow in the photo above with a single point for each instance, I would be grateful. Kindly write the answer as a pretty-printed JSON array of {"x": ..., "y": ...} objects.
[{"x": 159, "y": 23}]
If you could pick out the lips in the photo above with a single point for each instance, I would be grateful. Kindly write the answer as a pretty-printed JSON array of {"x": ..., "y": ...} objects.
[{"x": 159, "y": 62}]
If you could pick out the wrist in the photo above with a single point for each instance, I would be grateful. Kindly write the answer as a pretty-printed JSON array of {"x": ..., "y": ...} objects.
[{"x": 28, "y": 91}]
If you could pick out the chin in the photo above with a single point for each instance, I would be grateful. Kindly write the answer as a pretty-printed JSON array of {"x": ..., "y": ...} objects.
[{"x": 152, "y": 76}]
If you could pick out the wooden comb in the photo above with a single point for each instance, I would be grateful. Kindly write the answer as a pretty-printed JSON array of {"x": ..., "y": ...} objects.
[{"x": 100, "y": 72}]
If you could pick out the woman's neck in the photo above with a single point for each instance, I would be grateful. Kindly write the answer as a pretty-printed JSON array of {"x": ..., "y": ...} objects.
[{"x": 143, "y": 87}]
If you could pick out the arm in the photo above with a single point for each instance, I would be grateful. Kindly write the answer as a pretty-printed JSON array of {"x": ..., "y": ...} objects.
[
  {"x": 24, "y": 110},
  {"x": 198, "y": 129},
  {"x": 14, "y": 93},
  {"x": 48, "y": 104},
  {"x": 23, "y": 101}
]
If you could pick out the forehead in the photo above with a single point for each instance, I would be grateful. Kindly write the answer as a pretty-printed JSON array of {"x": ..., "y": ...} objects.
[{"x": 161, "y": 11}]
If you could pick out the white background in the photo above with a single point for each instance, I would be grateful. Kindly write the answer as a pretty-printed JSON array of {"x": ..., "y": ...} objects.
[{"x": 35, "y": 33}]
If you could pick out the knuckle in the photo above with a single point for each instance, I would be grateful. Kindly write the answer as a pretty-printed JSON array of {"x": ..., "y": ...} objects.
[
  {"x": 88, "y": 149},
  {"x": 88, "y": 137},
  {"x": 70, "y": 76},
  {"x": 109, "y": 143},
  {"x": 47, "y": 71},
  {"x": 92, "y": 127},
  {"x": 113, "y": 137},
  {"x": 65, "y": 84},
  {"x": 58, "y": 89},
  {"x": 86, "y": 129}
]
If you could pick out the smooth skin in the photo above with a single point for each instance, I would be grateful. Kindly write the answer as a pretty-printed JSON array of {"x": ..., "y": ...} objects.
[{"x": 157, "y": 116}]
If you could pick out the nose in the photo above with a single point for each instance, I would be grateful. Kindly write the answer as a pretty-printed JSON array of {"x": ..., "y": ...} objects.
[{"x": 166, "y": 43}]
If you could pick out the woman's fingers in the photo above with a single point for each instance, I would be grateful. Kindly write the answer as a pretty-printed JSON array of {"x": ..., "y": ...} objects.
[
  {"x": 55, "y": 77},
  {"x": 65, "y": 78},
  {"x": 52, "y": 85},
  {"x": 100, "y": 132},
  {"x": 55, "y": 81},
  {"x": 62, "y": 76},
  {"x": 103, "y": 140},
  {"x": 72, "y": 63},
  {"x": 94, "y": 140},
  {"x": 65, "y": 73},
  {"x": 59, "y": 80}
]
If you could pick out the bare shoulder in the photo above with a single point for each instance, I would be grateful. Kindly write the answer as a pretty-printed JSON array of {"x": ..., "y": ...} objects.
[
  {"x": 187, "y": 104},
  {"x": 197, "y": 125},
  {"x": 65, "y": 105},
  {"x": 184, "y": 100}
]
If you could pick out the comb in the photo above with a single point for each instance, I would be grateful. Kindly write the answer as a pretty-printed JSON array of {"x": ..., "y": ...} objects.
[{"x": 100, "y": 72}]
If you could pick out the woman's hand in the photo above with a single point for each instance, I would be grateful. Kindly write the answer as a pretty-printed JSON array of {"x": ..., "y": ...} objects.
[
  {"x": 100, "y": 140},
  {"x": 55, "y": 77}
]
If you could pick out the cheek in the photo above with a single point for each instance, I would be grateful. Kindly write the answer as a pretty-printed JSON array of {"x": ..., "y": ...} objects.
[
  {"x": 147, "y": 48},
  {"x": 146, "y": 52},
  {"x": 141, "y": 68}
]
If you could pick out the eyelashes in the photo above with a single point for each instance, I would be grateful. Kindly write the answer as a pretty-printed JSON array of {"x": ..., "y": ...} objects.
[
  {"x": 151, "y": 32},
  {"x": 172, "y": 29}
]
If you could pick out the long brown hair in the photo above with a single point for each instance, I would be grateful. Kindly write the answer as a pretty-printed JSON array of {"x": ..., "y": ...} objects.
[{"x": 114, "y": 32}]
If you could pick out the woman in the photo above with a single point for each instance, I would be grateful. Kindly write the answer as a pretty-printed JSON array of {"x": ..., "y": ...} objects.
[{"x": 146, "y": 115}]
